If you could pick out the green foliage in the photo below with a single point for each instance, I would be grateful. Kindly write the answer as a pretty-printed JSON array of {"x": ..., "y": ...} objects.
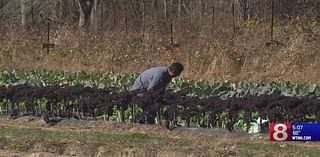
[
  {"x": 120, "y": 82},
  {"x": 96, "y": 137}
]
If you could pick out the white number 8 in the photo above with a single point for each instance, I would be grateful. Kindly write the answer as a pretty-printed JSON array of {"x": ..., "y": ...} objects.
[{"x": 277, "y": 132}]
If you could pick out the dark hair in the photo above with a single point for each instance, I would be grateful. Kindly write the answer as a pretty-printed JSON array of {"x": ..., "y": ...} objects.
[{"x": 176, "y": 68}]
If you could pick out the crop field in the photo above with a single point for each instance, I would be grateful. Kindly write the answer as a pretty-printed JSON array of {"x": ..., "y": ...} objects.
[
  {"x": 66, "y": 67},
  {"x": 50, "y": 113}
]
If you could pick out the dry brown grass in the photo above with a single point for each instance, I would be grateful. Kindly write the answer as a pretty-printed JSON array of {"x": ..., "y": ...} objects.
[
  {"x": 219, "y": 55},
  {"x": 90, "y": 138}
]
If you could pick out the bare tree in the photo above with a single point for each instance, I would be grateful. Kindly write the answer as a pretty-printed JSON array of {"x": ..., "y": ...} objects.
[
  {"x": 199, "y": 8},
  {"x": 60, "y": 9},
  {"x": 23, "y": 13},
  {"x": 165, "y": 7},
  {"x": 97, "y": 14},
  {"x": 245, "y": 8},
  {"x": 179, "y": 8},
  {"x": 143, "y": 16},
  {"x": 85, "y": 13},
  {"x": 94, "y": 16}
]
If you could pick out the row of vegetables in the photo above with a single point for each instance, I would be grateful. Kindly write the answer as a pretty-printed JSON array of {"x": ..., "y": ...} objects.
[
  {"x": 121, "y": 82},
  {"x": 188, "y": 102},
  {"x": 177, "y": 107}
]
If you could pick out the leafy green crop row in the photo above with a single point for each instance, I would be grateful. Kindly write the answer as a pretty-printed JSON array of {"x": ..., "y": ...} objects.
[{"x": 120, "y": 82}]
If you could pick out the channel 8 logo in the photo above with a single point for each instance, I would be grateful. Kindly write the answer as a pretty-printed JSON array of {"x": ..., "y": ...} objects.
[{"x": 280, "y": 131}]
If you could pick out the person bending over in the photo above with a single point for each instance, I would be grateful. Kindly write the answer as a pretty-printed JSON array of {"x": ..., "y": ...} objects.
[{"x": 156, "y": 79}]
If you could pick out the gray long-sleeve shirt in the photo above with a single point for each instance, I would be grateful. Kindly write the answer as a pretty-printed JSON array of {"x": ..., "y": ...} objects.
[{"x": 156, "y": 78}]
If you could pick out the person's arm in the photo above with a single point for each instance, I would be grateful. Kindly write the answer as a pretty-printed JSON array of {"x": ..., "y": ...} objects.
[{"x": 157, "y": 86}]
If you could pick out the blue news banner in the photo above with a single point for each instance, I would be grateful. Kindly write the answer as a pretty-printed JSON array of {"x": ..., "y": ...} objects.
[
  {"x": 305, "y": 132},
  {"x": 294, "y": 132}
]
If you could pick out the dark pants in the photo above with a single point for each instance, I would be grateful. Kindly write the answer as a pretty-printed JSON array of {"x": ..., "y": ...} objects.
[{"x": 148, "y": 117}]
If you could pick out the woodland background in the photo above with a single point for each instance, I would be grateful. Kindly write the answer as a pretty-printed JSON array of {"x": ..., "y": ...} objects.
[{"x": 215, "y": 39}]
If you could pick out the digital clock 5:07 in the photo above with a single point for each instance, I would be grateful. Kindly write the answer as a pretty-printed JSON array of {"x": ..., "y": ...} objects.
[{"x": 297, "y": 127}]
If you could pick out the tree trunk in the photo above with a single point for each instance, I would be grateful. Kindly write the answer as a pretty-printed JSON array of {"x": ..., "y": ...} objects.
[
  {"x": 172, "y": 9},
  {"x": 81, "y": 17},
  {"x": 81, "y": 20},
  {"x": 246, "y": 10},
  {"x": 200, "y": 11},
  {"x": 191, "y": 12},
  {"x": 32, "y": 14},
  {"x": 94, "y": 18},
  {"x": 102, "y": 15},
  {"x": 113, "y": 6},
  {"x": 85, "y": 13},
  {"x": 165, "y": 8},
  {"x": 143, "y": 18},
  {"x": 23, "y": 13},
  {"x": 213, "y": 17},
  {"x": 155, "y": 5},
  {"x": 179, "y": 8},
  {"x": 206, "y": 6},
  {"x": 61, "y": 10}
]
